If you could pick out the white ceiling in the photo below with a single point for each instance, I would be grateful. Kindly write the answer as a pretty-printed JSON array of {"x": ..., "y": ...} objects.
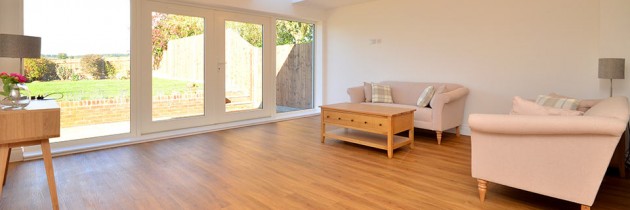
[{"x": 329, "y": 4}]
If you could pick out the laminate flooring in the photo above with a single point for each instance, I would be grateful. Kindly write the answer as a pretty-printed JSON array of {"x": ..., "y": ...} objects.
[{"x": 279, "y": 165}]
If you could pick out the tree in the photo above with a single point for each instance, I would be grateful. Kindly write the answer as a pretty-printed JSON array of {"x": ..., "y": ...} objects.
[
  {"x": 294, "y": 32},
  {"x": 288, "y": 32},
  {"x": 94, "y": 65},
  {"x": 40, "y": 69},
  {"x": 168, "y": 27},
  {"x": 252, "y": 33},
  {"x": 62, "y": 56}
]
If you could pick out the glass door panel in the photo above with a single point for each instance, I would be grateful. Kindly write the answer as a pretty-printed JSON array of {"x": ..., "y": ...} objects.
[
  {"x": 176, "y": 47},
  {"x": 177, "y": 66},
  {"x": 244, "y": 66}
]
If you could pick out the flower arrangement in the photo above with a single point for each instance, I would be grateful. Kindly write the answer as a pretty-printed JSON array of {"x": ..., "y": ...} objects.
[{"x": 8, "y": 80}]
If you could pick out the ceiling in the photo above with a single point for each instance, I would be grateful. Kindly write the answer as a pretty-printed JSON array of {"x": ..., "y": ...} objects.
[{"x": 328, "y": 4}]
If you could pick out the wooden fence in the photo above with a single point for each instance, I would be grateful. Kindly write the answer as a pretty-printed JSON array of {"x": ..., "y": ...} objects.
[{"x": 294, "y": 76}]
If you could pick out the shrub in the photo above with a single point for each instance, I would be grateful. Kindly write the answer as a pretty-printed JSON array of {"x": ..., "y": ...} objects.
[
  {"x": 94, "y": 66},
  {"x": 76, "y": 77},
  {"x": 40, "y": 69},
  {"x": 64, "y": 73},
  {"x": 110, "y": 70}
]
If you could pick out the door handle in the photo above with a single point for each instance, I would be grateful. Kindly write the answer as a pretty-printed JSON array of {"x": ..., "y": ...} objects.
[{"x": 220, "y": 65}]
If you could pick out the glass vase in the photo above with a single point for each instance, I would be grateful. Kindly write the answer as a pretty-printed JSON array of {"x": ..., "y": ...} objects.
[{"x": 18, "y": 97}]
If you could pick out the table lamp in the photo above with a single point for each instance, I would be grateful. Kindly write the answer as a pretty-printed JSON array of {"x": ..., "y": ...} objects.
[
  {"x": 19, "y": 46},
  {"x": 611, "y": 68}
]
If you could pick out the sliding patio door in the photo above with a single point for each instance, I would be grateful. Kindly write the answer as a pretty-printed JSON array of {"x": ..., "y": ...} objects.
[{"x": 201, "y": 67}]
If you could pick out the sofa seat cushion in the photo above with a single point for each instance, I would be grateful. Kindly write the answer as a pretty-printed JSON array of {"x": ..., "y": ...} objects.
[{"x": 421, "y": 113}]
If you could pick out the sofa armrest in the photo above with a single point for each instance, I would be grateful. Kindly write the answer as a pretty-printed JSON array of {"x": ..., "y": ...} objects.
[
  {"x": 448, "y": 109},
  {"x": 447, "y": 97},
  {"x": 545, "y": 125},
  {"x": 356, "y": 94}
]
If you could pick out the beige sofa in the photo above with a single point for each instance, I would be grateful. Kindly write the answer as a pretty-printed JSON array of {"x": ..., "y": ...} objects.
[
  {"x": 446, "y": 109},
  {"x": 559, "y": 156}
]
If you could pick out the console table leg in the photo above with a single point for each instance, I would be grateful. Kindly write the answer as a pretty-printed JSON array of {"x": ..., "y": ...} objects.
[
  {"x": 50, "y": 173},
  {"x": 4, "y": 154},
  {"x": 6, "y": 167}
]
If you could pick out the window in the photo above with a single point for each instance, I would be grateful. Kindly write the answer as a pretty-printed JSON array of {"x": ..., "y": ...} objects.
[
  {"x": 85, "y": 63},
  {"x": 294, "y": 65}
]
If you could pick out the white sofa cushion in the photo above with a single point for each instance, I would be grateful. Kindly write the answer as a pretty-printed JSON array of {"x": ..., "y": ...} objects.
[{"x": 421, "y": 113}]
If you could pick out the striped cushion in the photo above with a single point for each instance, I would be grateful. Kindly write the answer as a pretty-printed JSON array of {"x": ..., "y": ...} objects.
[
  {"x": 381, "y": 94},
  {"x": 367, "y": 91},
  {"x": 556, "y": 102},
  {"x": 426, "y": 96}
]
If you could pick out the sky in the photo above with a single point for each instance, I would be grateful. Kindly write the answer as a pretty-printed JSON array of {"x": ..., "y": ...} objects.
[{"x": 79, "y": 27}]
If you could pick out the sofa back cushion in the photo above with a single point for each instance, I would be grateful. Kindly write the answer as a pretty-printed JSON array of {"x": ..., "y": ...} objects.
[{"x": 409, "y": 92}]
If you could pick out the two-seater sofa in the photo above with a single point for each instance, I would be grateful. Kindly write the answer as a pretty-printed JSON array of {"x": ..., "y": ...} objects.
[
  {"x": 445, "y": 111},
  {"x": 559, "y": 156}
]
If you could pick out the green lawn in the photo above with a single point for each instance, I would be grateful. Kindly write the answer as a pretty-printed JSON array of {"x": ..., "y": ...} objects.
[{"x": 99, "y": 89}]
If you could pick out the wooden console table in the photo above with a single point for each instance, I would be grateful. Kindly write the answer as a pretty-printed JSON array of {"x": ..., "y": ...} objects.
[
  {"x": 32, "y": 126},
  {"x": 366, "y": 124}
]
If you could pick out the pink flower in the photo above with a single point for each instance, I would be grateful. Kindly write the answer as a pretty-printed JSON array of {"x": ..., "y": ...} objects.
[
  {"x": 22, "y": 79},
  {"x": 12, "y": 78}
]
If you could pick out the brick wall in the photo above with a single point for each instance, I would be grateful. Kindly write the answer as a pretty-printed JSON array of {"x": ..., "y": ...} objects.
[{"x": 91, "y": 112}]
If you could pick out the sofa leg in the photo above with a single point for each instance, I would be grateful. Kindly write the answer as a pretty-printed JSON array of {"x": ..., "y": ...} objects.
[
  {"x": 585, "y": 207},
  {"x": 482, "y": 186},
  {"x": 457, "y": 132},
  {"x": 439, "y": 136}
]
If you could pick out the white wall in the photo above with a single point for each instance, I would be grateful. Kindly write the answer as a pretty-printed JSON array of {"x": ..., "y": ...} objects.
[
  {"x": 10, "y": 23},
  {"x": 497, "y": 48}
]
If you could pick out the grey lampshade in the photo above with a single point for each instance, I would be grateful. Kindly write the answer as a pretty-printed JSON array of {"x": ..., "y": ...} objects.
[
  {"x": 611, "y": 68},
  {"x": 18, "y": 46}
]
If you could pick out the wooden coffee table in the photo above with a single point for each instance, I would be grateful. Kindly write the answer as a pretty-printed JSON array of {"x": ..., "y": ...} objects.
[{"x": 368, "y": 125}]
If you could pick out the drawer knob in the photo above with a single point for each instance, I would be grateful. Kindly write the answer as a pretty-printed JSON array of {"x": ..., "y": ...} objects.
[
  {"x": 339, "y": 118},
  {"x": 352, "y": 120},
  {"x": 380, "y": 124},
  {"x": 365, "y": 122},
  {"x": 328, "y": 116}
]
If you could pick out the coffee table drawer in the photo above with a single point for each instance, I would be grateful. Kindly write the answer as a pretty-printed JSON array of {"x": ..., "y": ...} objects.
[{"x": 372, "y": 123}]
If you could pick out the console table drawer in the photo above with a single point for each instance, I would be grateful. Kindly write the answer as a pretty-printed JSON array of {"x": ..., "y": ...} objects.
[{"x": 374, "y": 123}]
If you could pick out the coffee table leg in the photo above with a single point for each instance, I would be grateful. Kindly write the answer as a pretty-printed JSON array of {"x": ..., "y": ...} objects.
[
  {"x": 323, "y": 131},
  {"x": 390, "y": 142},
  {"x": 411, "y": 138}
]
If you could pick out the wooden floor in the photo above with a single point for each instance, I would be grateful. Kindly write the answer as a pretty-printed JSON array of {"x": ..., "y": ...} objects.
[{"x": 276, "y": 166}]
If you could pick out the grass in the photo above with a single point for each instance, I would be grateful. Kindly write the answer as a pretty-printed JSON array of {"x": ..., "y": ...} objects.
[{"x": 101, "y": 89}]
